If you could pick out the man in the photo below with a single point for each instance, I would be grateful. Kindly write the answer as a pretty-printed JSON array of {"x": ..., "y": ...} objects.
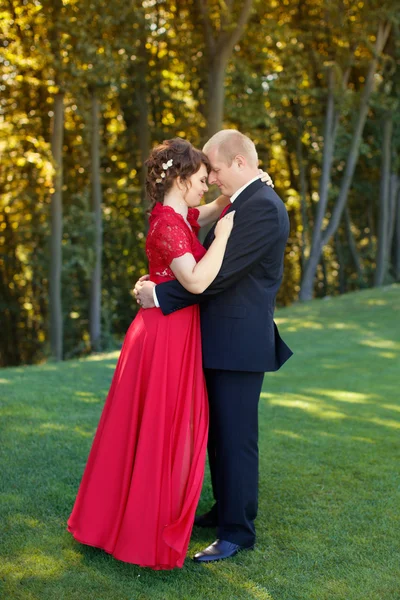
[{"x": 240, "y": 339}]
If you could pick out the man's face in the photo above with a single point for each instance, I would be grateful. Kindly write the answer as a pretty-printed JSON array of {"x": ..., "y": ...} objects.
[{"x": 222, "y": 175}]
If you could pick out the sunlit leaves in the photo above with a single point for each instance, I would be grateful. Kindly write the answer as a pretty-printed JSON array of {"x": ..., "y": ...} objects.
[{"x": 155, "y": 52}]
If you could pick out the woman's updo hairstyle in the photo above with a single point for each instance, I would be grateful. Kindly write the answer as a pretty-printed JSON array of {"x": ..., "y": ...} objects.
[{"x": 171, "y": 159}]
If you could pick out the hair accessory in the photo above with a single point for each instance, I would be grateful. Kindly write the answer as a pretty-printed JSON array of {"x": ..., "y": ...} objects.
[{"x": 165, "y": 166}]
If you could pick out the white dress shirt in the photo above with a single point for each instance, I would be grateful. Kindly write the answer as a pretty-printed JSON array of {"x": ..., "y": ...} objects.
[{"x": 232, "y": 199}]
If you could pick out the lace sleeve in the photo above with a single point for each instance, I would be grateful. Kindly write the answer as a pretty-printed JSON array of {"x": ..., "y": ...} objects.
[
  {"x": 193, "y": 215},
  {"x": 167, "y": 240}
]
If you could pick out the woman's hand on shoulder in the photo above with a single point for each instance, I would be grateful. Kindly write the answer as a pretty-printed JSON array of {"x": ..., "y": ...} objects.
[{"x": 266, "y": 178}]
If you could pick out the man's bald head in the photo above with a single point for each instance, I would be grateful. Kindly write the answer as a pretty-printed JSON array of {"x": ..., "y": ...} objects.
[{"x": 230, "y": 143}]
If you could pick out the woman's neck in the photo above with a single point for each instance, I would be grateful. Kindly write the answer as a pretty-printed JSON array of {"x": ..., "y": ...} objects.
[{"x": 177, "y": 203}]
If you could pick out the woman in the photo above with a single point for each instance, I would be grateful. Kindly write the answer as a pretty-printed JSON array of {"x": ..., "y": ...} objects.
[{"x": 143, "y": 478}]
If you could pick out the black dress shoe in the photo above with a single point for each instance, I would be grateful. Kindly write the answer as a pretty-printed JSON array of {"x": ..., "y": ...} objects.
[
  {"x": 219, "y": 550},
  {"x": 209, "y": 519}
]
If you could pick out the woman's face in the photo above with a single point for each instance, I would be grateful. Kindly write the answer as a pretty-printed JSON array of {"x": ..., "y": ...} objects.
[{"x": 196, "y": 187}]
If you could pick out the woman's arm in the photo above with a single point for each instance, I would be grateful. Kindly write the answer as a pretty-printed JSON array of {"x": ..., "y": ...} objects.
[
  {"x": 210, "y": 212},
  {"x": 196, "y": 277}
]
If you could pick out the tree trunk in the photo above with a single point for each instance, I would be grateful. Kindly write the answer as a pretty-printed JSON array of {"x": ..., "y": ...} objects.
[
  {"x": 393, "y": 191},
  {"x": 397, "y": 237},
  {"x": 136, "y": 104},
  {"x": 370, "y": 224},
  {"x": 303, "y": 197},
  {"x": 216, "y": 95},
  {"x": 219, "y": 47},
  {"x": 10, "y": 354},
  {"x": 353, "y": 245},
  {"x": 342, "y": 264},
  {"x": 324, "y": 276},
  {"x": 141, "y": 95},
  {"x": 383, "y": 221},
  {"x": 321, "y": 238},
  {"x": 56, "y": 318},
  {"x": 307, "y": 284},
  {"x": 95, "y": 283}
]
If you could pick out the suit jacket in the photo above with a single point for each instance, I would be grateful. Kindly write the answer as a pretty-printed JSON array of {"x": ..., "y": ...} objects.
[{"x": 238, "y": 331}]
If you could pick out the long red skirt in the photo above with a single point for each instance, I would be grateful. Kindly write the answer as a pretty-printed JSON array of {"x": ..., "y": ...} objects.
[{"x": 143, "y": 478}]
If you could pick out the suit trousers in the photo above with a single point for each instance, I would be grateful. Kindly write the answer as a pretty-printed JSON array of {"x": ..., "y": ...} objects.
[{"x": 233, "y": 451}]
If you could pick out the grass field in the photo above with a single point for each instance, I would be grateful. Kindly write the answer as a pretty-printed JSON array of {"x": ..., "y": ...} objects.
[{"x": 329, "y": 514}]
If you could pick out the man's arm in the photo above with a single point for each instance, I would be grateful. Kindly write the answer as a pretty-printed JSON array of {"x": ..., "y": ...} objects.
[{"x": 257, "y": 230}]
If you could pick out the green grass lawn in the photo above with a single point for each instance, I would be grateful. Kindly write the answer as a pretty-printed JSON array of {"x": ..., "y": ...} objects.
[{"x": 328, "y": 524}]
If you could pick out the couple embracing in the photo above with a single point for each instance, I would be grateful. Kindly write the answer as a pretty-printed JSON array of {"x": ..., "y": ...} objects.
[{"x": 192, "y": 364}]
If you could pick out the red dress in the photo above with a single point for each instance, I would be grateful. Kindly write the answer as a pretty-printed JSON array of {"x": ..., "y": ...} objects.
[{"x": 143, "y": 478}]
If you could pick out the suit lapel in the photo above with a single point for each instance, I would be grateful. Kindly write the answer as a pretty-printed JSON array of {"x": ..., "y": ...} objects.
[{"x": 240, "y": 200}]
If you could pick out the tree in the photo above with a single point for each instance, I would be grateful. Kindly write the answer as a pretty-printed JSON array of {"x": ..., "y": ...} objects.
[
  {"x": 56, "y": 319},
  {"x": 222, "y": 27},
  {"x": 322, "y": 236},
  {"x": 56, "y": 316},
  {"x": 385, "y": 212},
  {"x": 95, "y": 284},
  {"x": 133, "y": 74}
]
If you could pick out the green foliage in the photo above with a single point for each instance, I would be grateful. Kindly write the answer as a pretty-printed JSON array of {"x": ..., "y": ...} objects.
[{"x": 150, "y": 67}]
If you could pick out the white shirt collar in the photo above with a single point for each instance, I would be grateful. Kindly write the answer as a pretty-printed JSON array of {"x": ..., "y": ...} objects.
[{"x": 240, "y": 190}]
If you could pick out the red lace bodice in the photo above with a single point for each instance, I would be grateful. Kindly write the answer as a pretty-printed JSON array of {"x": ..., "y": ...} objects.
[{"x": 169, "y": 237}]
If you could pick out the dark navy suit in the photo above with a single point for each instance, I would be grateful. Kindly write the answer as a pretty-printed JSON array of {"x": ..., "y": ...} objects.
[{"x": 240, "y": 342}]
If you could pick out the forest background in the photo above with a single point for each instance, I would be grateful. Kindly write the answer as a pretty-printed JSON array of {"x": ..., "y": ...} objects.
[{"x": 88, "y": 87}]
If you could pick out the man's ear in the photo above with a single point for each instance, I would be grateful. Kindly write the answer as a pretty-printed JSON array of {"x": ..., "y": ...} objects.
[{"x": 240, "y": 161}]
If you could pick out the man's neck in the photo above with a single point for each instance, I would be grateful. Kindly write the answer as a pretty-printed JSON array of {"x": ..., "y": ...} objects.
[
  {"x": 244, "y": 185},
  {"x": 248, "y": 176}
]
